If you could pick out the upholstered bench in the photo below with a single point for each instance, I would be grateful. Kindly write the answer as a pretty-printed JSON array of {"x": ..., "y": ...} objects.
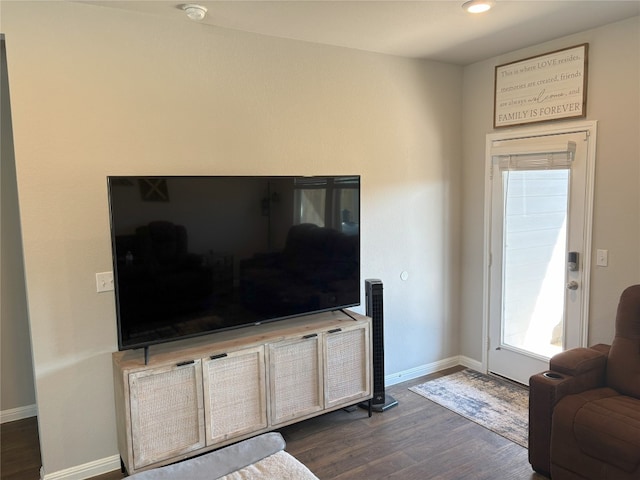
[{"x": 261, "y": 457}]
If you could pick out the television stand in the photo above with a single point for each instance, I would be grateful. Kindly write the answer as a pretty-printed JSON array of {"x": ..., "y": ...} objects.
[{"x": 218, "y": 389}]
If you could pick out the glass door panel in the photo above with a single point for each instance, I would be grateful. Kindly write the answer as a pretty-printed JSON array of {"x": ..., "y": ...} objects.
[{"x": 535, "y": 240}]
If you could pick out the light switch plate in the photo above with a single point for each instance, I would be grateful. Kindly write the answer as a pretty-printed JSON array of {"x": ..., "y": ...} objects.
[
  {"x": 104, "y": 282},
  {"x": 602, "y": 257}
]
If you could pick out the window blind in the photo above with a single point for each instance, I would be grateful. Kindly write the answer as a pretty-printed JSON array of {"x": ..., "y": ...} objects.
[{"x": 534, "y": 156}]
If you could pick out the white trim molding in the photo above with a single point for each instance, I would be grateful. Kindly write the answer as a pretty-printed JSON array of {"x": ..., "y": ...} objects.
[
  {"x": 86, "y": 470},
  {"x": 434, "y": 367},
  {"x": 18, "y": 413}
]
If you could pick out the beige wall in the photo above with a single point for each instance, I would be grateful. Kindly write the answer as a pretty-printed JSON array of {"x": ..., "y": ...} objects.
[
  {"x": 17, "y": 395},
  {"x": 614, "y": 101},
  {"x": 96, "y": 91}
]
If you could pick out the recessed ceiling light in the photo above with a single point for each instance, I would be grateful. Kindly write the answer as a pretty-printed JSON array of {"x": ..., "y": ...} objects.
[
  {"x": 195, "y": 12},
  {"x": 477, "y": 6}
]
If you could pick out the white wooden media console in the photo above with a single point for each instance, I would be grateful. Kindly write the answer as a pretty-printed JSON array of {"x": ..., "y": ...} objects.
[{"x": 201, "y": 394}]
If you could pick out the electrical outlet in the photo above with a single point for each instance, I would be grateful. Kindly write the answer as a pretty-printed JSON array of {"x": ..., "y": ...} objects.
[{"x": 104, "y": 282}]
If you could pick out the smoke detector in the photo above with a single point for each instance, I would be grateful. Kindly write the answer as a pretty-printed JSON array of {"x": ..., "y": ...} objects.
[{"x": 195, "y": 12}]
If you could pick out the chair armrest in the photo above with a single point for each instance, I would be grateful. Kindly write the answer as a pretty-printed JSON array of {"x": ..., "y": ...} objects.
[
  {"x": 545, "y": 390},
  {"x": 589, "y": 364},
  {"x": 602, "y": 348},
  {"x": 571, "y": 372}
]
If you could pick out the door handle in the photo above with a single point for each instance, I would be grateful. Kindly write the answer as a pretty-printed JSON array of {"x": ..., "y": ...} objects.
[{"x": 572, "y": 285}]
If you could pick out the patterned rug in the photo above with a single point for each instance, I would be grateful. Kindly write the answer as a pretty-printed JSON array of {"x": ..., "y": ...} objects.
[{"x": 496, "y": 404}]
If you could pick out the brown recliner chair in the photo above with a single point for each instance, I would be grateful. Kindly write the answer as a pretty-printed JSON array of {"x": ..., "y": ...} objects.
[{"x": 584, "y": 413}]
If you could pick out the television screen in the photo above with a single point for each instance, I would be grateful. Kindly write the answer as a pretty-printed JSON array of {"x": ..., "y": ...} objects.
[{"x": 197, "y": 254}]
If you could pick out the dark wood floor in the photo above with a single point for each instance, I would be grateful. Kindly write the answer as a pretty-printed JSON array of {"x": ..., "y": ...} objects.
[
  {"x": 20, "y": 450},
  {"x": 417, "y": 439}
]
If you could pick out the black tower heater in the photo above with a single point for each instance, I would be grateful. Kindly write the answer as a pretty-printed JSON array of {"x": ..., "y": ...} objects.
[{"x": 373, "y": 294}]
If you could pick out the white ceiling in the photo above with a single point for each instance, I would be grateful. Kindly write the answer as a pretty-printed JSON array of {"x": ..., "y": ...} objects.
[{"x": 436, "y": 30}]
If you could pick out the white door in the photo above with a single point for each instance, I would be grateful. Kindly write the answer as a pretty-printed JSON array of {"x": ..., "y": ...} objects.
[{"x": 540, "y": 191}]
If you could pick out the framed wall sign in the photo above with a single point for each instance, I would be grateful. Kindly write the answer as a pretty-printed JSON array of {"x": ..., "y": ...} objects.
[{"x": 541, "y": 88}]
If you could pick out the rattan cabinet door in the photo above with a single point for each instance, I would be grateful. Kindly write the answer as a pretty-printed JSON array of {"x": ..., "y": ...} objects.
[
  {"x": 347, "y": 364},
  {"x": 167, "y": 416},
  {"x": 295, "y": 373},
  {"x": 235, "y": 395}
]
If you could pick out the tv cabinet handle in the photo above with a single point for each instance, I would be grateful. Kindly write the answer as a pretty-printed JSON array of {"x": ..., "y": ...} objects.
[
  {"x": 311, "y": 335},
  {"x": 215, "y": 357},
  {"x": 335, "y": 330},
  {"x": 188, "y": 362}
]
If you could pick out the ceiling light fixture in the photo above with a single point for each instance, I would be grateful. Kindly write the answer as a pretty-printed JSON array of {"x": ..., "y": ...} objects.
[
  {"x": 195, "y": 12},
  {"x": 477, "y": 6}
]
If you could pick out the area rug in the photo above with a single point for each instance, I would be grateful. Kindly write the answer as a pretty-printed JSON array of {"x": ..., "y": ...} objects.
[{"x": 496, "y": 404}]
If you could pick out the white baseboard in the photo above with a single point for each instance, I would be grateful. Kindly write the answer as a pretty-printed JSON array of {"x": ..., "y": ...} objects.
[
  {"x": 87, "y": 470},
  {"x": 18, "y": 413},
  {"x": 471, "y": 363},
  {"x": 422, "y": 370}
]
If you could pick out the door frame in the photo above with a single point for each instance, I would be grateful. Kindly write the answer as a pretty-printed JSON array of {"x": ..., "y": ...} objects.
[{"x": 589, "y": 126}]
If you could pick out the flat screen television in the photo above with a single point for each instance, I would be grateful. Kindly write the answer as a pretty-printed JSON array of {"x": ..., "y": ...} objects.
[{"x": 193, "y": 255}]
